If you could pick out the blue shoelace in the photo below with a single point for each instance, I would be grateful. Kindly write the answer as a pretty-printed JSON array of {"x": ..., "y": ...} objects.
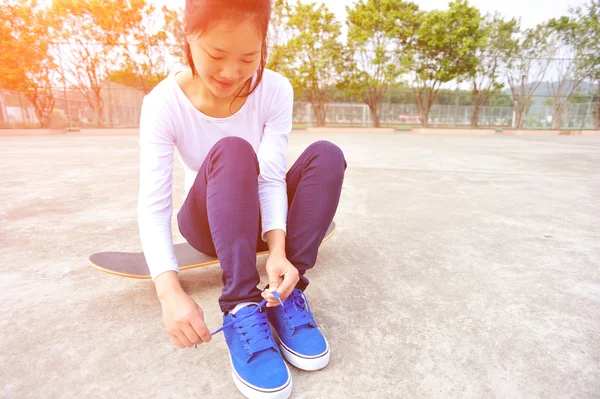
[
  {"x": 259, "y": 340},
  {"x": 298, "y": 311}
]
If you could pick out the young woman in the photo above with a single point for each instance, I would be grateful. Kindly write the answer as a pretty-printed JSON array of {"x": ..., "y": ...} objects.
[{"x": 229, "y": 119}]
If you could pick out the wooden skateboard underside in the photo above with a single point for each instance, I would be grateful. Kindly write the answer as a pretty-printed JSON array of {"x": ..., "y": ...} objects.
[{"x": 133, "y": 264}]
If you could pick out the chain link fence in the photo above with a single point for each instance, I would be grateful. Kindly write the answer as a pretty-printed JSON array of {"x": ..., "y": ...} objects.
[
  {"x": 121, "y": 109},
  {"x": 576, "y": 116}
]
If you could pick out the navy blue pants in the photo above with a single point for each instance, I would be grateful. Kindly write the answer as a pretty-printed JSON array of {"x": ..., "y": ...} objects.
[{"x": 221, "y": 214}]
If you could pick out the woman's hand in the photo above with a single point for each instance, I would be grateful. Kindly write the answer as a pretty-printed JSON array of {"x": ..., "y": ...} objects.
[
  {"x": 184, "y": 320},
  {"x": 283, "y": 277}
]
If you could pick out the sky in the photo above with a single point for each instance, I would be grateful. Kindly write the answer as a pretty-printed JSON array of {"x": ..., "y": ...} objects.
[{"x": 531, "y": 12}]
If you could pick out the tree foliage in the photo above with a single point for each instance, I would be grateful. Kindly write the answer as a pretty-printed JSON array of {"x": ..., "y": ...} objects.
[
  {"x": 313, "y": 54},
  {"x": 27, "y": 66},
  {"x": 498, "y": 46},
  {"x": 151, "y": 42},
  {"x": 584, "y": 25},
  {"x": 446, "y": 49},
  {"x": 567, "y": 73},
  {"x": 92, "y": 33},
  {"x": 392, "y": 48},
  {"x": 380, "y": 34},
  {"x": 527, "y": 67}
]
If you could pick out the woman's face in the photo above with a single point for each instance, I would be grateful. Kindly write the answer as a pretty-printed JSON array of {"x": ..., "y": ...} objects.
[{"x": 226, "y": 56}]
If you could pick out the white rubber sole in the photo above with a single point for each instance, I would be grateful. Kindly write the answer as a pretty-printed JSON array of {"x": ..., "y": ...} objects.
[
  {"x": 253, "y": 392},
  {"x": 307, "y": 363}
]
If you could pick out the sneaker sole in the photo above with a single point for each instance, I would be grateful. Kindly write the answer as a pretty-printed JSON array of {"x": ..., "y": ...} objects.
[
  {"x": 253, "y": 392},
  {"x": 303, "y": 362}
]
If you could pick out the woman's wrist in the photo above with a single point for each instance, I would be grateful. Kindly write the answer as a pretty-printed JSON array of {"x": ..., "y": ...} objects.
[
  {"x": 276, "y": 242},
  {"x": 167, "y": 283}
]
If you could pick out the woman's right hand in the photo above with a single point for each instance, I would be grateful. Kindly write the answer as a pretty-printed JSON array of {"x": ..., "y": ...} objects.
[{"x": 183, "y": 318}]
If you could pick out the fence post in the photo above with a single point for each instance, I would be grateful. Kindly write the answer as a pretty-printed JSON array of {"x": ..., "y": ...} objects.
[
  {"x": 364, "y": 115},
  {"x": 514, "y": 118}
]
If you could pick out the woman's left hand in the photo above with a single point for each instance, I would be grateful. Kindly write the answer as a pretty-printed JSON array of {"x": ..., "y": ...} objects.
[{"x": 283, "y": 277}]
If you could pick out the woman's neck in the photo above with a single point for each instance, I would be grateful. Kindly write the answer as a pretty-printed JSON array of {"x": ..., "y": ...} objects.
[
  {"x": 204, "y": 99},
  {"x": 205, "y": 96}
]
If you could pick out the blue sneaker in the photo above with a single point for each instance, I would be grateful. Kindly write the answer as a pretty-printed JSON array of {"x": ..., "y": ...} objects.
[
  {"x": 258, "y": 368},
  {"x": 301, "y": 342}
]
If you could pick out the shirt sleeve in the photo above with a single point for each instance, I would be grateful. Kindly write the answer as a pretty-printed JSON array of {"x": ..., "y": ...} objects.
[
  {"x": 272, "y": 156},
  {"x": 155, "y": 206}
]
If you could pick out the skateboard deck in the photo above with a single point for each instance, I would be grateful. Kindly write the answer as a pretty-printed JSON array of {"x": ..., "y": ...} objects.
[{"x": 133, "y": 264}]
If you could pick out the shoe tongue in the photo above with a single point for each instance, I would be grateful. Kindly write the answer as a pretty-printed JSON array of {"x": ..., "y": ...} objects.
[{"x": 243, "y": 308}]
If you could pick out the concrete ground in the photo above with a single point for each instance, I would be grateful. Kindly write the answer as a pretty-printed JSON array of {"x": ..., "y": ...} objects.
[{"x": 463, "y": 267}]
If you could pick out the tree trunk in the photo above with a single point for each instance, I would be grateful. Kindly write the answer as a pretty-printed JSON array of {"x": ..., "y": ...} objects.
[
  {"x": 518, "y": 116},
  {"x": 374, "y": 114},
  {"x": 558, "y": 114},
  {"x": 424, "y": 115},
  {"x": 320, "y": 113},
  {"x": 373, "y": 98},
  {"x": 520, "y": 112},
  {"x": 44, "y": 113},
  {"x": 476, "y": 109},
  {"x": 476, "y": 106},
  {"x": 423, "y": 107},
  {"x": 97, "y": 105},
  {"x": 425, "y": 97},
  {"x": 475, "y": 116},
  {"x": 480, "y": 98},
  {"x": 43, "y": 104},
  {"x": 596, "y": 115}
]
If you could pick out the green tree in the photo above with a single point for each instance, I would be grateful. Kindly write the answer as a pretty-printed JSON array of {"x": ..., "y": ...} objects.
[
  {"x": 586, "y": 25},
  {"x": 527, "y": 67},
  {"x": 26, "y": 65},
  {"x": 279, "y": 35},
  {"x": 501, "y": 100},
  {"x": 380, "y": 34},
  {"x": 568, "y": 75},
  {"x": 92, "y": 36},
  {"x": 313, "y": 54},
  {"x": 499, "y": 46},
  {"x": 581, "y": 96},
  {"x": 446, "y": 50}
]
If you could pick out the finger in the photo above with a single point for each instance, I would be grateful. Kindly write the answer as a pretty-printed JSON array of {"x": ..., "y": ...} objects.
[
  {"x": 290, "y": 279},
  {"x": 190, "y": 334},
  {"x": 271, "y": 299},
  {"x": 201, "y": 329},
  {"x": 183, "y": 339},
  {"x": 274, "y": 279},
  {"x": 176, "y": 341}
]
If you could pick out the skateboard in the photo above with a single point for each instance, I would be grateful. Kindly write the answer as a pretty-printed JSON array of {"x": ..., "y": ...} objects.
[{"x": 133, "y": 264}]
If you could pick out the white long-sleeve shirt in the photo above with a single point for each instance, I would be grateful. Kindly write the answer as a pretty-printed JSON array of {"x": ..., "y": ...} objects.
[{"x": 169, "y": 120}]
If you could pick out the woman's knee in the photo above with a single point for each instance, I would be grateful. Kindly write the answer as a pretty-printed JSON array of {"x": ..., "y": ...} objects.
[
  {"x": 328, "y": 155},
  {"x": 234, "y": 145},
  {"x": 235, "y": 152}
]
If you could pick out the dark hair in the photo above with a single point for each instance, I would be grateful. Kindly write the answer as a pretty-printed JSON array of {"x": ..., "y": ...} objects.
[{"x": 200, "y": 15}]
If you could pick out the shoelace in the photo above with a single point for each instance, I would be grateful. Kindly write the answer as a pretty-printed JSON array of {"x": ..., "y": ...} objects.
[
  {"x": 298, "y": 311},
  {"x": 245, "y": 321}
]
